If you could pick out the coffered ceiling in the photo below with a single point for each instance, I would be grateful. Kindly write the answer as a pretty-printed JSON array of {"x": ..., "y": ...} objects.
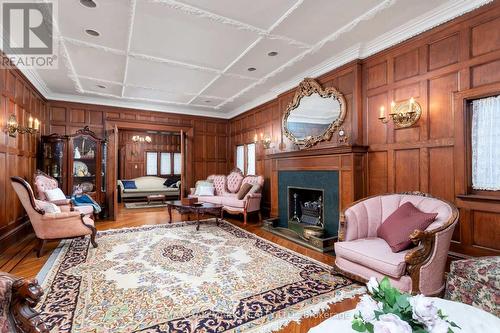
[{"x": 193, "y": 56}]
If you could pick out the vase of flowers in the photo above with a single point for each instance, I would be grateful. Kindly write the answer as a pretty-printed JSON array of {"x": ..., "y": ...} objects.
[{"x": 387, "y": 310}]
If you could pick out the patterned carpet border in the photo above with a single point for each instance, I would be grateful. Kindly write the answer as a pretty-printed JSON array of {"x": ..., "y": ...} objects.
[{"x": 266, "y": 323}]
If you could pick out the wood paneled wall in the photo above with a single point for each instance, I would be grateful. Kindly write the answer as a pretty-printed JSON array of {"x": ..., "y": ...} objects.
[
  {"x": 209, "y": 142},
  {"x": 132, "y": 155},
  {"x": 433, "y": 67},
  {"x": 17, "y": 155}
]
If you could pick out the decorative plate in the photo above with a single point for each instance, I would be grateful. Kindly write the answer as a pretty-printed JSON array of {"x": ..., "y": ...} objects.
[
  {"x": 87, "y": 186},
  {"x": 80, "y": 169}
]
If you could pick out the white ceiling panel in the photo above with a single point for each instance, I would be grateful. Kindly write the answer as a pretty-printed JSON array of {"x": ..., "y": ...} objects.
[
  {"x": 156, "y": 95},
  {"x": 258, "y": 57},
  {"x": 259, "y": 13},
  {"x": 167, "y": 77},
  {"x": 207, "y": 101},
  {"x": 227, "y": 86},
  {"x": 97, "y": 63},
  {"x": 110, "y": 18},
  {"x": 314, "y": 20},
  {"x": 162, "y": 31},
  {"x": 192, "y": 56}
]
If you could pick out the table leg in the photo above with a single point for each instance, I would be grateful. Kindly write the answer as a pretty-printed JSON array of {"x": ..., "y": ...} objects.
[
  {"x": 217, "y": 217},
  {"x": 197, "y": 220},
  {"x": 169, "y": 208}
]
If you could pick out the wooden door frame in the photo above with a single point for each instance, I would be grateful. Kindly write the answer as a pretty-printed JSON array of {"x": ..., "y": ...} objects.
[{"x": 109, "y": 125}]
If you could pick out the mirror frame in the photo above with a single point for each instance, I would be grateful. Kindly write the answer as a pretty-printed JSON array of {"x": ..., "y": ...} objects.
[{"x": 306, "y": 88}]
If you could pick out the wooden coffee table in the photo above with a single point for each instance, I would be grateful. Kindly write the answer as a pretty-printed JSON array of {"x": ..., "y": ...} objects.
[
  {"x": 200, "y": 209},
  {"x": 156, "y": 197}
]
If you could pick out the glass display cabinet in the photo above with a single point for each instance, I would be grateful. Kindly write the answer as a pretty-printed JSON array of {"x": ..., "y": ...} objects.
[
  {"x": 77, "y": 161},
  {"x": 52, "y": 159},
  {"x": 85, "y": 158}
]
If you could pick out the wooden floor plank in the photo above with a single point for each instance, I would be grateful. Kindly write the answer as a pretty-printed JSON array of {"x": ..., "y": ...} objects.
[{"x": 23, "y": 260}]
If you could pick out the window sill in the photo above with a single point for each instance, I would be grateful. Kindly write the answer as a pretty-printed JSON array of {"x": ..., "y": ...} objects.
[{"x": 478, "y": 197}]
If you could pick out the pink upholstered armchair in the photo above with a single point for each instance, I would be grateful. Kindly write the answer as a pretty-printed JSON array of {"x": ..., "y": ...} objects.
[
  {"x": 44, "y": 182},
  {"x": 52, "y": 226},
  {"x": 360, "y": 254}
]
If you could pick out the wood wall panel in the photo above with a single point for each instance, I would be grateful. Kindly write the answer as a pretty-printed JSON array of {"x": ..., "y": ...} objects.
[
  {"x": 377, "y": 173},
  {"x": 486, "y": 37},
  {"x": 406, "y": 65},
  {"x": 407, "y": 170},
  {"x": 485, "y": 229},
  {"x": 17, "y": 155},
  {"x": 441, "y": 112},
  {"x": 444, "y": 52},
  {"x": 486, "y": 73}
]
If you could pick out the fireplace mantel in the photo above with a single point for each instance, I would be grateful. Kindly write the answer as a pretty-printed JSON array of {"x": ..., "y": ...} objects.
[
  {"x": 320, "y": 151},
  {"x": 349, "y": 161}
]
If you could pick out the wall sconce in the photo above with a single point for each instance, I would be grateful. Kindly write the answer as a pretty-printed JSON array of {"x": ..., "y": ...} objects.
[
  {"x": 403, "y": 115},
  {"x": 264, "y": 140},
  {"x": 137, "y": 138},
  {"x": 13, "y": 126}
]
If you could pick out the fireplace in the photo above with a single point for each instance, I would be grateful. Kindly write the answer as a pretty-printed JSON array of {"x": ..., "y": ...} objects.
[
  {"x": 305, "y": 206},
  {"x": 308, "y": 204}
]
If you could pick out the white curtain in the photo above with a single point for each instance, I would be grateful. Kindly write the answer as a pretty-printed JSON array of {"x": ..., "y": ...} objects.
[
  {"x": 151, "y": 163},
  {"x": 240, "y": 158},
  {"x": 177, "y": 163},
  {"x": 165, "y": 164},
  {"x": 486, "y": 144},
  {"x": 251, "y": 159}
]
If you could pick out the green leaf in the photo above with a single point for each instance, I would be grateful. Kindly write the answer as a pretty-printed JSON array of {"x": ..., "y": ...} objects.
[
  {"x": 358, "y": 325},
  {"x": 385, "y": 284},
  {"x": 369, "y": 327},
  {"x": 402, "y": 301},
  {"x": 453, "y": 324}
]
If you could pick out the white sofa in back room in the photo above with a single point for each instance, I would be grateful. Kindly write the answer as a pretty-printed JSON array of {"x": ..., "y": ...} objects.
[{"x": 148, "y": 185}]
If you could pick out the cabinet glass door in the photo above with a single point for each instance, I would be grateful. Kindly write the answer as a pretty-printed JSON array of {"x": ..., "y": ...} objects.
[{"x": 85, "y": 162}]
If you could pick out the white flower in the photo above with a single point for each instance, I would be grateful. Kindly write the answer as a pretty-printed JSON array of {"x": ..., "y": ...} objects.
[
  {"x": 424, "y": 310},
  {"x": 390, "y": 323},
  {"x": 367, "y": 307},
  {"x": 440, "y": 326},
  {"x": 372, "y": 285}
]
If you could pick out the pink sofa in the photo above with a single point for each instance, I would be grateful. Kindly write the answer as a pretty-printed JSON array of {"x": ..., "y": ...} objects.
[
  {"x": 226, "y": 189},
  {"x": 360, "y": 254}
]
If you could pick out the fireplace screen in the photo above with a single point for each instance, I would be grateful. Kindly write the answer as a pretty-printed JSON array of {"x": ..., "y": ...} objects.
[{"x": 305, "y": 206}]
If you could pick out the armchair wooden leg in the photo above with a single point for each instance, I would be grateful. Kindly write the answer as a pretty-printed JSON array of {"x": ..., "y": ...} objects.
[
  {"x": 260, "y": 216},
  {"x": 245, "y": 218},
  {"x": 40, "y": 246},
  {"x": 92, "y": 237}
]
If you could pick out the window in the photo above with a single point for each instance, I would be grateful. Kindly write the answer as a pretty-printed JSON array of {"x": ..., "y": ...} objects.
[
  {"x": 240, "y": 158},
  {"x": 177, "y": 163},
  {"x": 165, "y": 163},
  {"x": 151, "y": 163},
  {"x": 485, "y": 142},
  {"x": 245, "y": 158},
  {"x": 251, "y": 159},
  {"x": 169, "y": 163}
]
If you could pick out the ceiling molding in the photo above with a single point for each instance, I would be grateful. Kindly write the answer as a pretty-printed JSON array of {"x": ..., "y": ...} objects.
[
  {"x": 133, "y": 4},
  {"x": 431, "y": 19},
  {"x": 131, "y": 104}
]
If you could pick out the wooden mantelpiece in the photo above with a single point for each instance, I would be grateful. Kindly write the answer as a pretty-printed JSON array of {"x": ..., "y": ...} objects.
[{"x": 350, "y": 161}]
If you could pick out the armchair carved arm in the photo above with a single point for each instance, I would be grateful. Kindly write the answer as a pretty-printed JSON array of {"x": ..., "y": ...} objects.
[{"x": 26, "y": 294}]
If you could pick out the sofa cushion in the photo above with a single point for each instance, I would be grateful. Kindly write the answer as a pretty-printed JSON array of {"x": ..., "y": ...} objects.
[
  {"x": 129, "y": 184},
  {"x": 205, "y": 190},
  {"x": 397, "y": 228},
  {"x": 234, "y": 181},
  {"x": 87, "y": 210},
  {"x": 55, "y": 194},
  {"x": 233, "y": 201},
  {"x": 48, "y": 207},
  {"x": 219, "y": 183},
  {"x": 214, "y": 199},
  {"x": 243, "y": 191},
  {"x": 374, "y": 253},
  {"x": 170, "y": 180}
]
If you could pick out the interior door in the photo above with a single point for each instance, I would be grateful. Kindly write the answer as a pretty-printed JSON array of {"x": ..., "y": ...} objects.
[{"x": 112, "y": 171}]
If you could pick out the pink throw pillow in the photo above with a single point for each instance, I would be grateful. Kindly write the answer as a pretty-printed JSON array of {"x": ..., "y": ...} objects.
[{"x": 397, "y": 228}]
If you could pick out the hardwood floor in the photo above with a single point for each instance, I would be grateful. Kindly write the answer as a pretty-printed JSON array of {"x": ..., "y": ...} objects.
[{"x": 21, "y": 259}]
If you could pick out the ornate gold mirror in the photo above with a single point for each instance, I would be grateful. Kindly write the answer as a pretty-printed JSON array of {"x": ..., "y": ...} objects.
[{"x": 314, "y": 114}]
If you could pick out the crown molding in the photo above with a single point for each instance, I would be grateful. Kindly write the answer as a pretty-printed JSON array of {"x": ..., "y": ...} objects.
[
  {"x": 442, "y": 14},
  {"x": 131, "y": 104}
]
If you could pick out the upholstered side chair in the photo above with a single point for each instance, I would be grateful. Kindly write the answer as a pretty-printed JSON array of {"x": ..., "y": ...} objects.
[
  {"x": 43, "y": 182},
  {"x": 360, "y": 254},
  {"x": 52, "y": 226},
  {"x": 18, "y": 297}
]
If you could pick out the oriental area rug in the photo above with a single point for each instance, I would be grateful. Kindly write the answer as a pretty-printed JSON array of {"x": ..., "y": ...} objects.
[{"x": 171, "y": 278}]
